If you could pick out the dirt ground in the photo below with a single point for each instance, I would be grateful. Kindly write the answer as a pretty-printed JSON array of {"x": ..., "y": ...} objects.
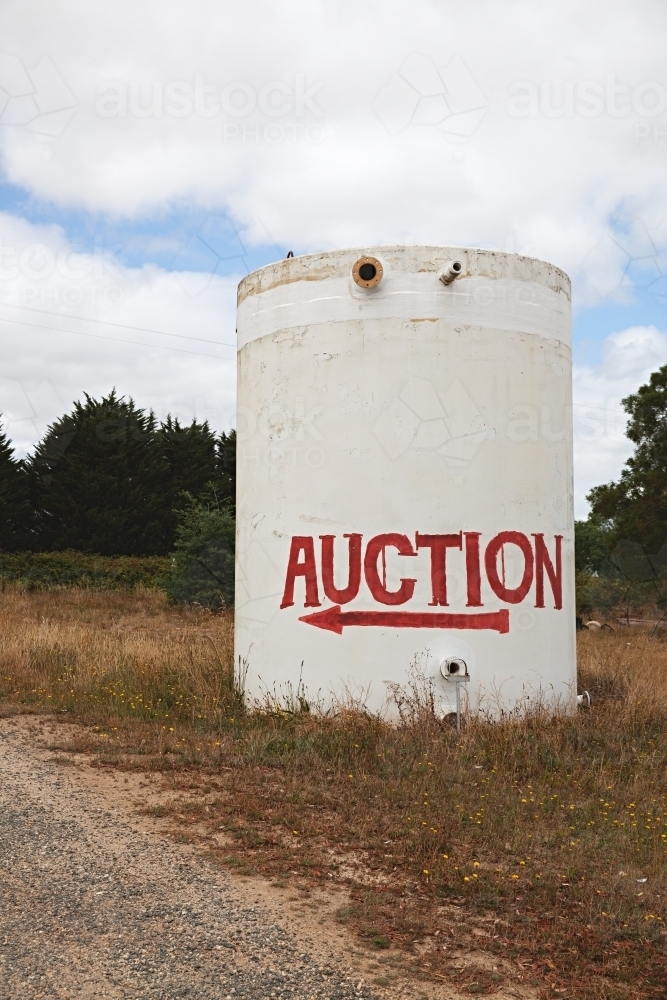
[{"x": 99, "y": 899}]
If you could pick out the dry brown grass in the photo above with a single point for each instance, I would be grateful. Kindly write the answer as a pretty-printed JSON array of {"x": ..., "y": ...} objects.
[
  {"x": 117, "y": 653},
  {"x": 528, "y": 838}
]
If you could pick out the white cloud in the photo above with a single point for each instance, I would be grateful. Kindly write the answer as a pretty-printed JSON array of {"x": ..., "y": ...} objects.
[
  {"x": 79, "y": 322},
  {"x": 600, "y": 444},
  {"x": 313, "y": 160}
]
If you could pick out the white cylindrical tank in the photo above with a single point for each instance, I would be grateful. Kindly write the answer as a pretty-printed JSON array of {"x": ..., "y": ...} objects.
[{"x": 404, "y": 480}]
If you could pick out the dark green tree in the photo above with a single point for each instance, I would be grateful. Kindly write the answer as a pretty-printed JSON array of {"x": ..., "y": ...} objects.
[
  {"x": 16, "y": 516},
  {"x": 592, "y": 540},
  {"x": 225, "y": 468},
  {"x": 100, "y": 481},
  {"x": 636, "y": 505},
  {"x": 191, "y": 459},
  {"x": 203, "y": 561}
]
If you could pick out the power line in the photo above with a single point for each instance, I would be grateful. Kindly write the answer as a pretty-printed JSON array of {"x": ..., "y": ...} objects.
[
  {"x": 117, "y": 340},
  {"x": 123, "y": 326},
  {"x": 162, "y": 333}
]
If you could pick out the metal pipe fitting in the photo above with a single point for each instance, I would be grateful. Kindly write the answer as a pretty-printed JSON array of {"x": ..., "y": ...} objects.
[{"x": 451, "y": 271}]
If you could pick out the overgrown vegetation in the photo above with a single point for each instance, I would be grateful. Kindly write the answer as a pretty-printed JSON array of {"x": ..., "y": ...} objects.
[
  {"x": 202, "y": 569},
  {"x": 44, "y": 570},
  {"x": 542, "y": 842},
  {"x": 615, "y": 576}
]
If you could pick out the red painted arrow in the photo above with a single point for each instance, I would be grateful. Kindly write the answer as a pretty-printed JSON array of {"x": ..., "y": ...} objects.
[{"x": 334, "y": 620}]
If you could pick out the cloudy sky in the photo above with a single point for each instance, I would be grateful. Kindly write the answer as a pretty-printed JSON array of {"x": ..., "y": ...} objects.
[{"x": 152, "y": 153}]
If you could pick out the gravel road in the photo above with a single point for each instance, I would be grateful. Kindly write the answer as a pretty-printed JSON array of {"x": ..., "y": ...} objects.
[{"x": 93, "y": 906}]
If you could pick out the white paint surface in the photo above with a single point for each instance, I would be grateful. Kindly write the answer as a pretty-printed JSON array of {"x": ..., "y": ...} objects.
[{"x": 411, "y": 407}]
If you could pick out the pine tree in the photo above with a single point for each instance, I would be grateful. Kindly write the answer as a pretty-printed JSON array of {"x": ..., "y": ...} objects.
[
  {"x": 100, "y": 481},
  {"x": 225, "y": 470},
  {"x": 190, "y": 456},
  {"x": 16, "y": 516}
]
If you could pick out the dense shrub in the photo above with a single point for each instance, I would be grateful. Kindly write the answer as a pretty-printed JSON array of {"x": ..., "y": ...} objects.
[
  {"x": 203, "y": 560},
  {"x": 43, "y": 570}
]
